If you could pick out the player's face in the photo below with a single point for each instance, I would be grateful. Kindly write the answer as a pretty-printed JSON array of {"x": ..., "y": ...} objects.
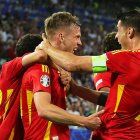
[
  {"x": 121, "y": 35},
  {"x": 71, "y": 39}
]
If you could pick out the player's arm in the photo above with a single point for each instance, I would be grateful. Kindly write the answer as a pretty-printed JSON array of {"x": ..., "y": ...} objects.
[
  {"x": 71, "y": 62},
  {"x": 101, "y": 83},
  {"x": 106, "y": 89},
  {"x": 97, "y": 97},
  {"x": 66, "y": 60},
  {"x": 54, "y": 113},
  {"x": 83, "y": 92},
  {"x": 34, "y": 57}
]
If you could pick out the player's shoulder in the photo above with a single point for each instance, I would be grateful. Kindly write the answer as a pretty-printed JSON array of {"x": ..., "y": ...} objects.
[
  {"x": 124, "y": 51},
  {"x": 37, "y": 69},
  {"x": 121, "y": 53},
  {"x": 12, "y": 62},
  {"x": 45, "y": 68},
  {"x": 39, "y": 66}
]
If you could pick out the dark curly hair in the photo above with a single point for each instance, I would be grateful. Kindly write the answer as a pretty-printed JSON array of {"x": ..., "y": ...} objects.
[
  {"x": 110, "y": 43},
  {"x": 27, "y": 43}
]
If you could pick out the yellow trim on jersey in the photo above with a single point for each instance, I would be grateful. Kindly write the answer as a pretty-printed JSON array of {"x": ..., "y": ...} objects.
[
  {"x": 137, "y": 118},
  {"x": 0, "y": 97},
  {"x": 119, "y": 51},
  {"x": 29, "y": 103},
  {"x": 119, "y": 96},
  {"x": 21, "y": 111},
  {"x": 12, "y": 134},
  {"x": 45, "y": 68},
  {"x": 9, "y": 93},
  {"x": 47, "y": 134}
]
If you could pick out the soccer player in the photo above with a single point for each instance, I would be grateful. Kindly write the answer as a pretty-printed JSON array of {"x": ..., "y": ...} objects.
[
  {"x": 43, "y": 95},
  {"x": 121, "y": 118},
  {"x": 103, "y": 80},
  {"x": 10, "y": 81}
]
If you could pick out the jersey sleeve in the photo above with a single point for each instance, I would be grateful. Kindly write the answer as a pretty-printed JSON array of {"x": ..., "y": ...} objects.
[
  {"x": 14, "y": 67},
  {"x": 41, "y": 79},
  {"x": 114, "y": 61},
  {"x": 102, "y": 80},
  {"x": 118, "y": 61}
]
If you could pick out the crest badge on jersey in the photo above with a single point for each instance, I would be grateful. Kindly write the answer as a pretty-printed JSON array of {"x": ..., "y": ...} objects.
[{"x": 45, "y": 80}]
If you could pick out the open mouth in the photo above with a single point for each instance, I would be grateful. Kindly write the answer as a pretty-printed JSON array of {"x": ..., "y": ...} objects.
[{"x": 75, "y": 50}]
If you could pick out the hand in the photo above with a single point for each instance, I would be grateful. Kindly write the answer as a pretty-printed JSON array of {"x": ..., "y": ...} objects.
[
  {"x": 39, "y": 47},
  {"x": 93, "y": 121},
  {"x": 46, "y": 42},
  {"x": 65, "y": 77}
]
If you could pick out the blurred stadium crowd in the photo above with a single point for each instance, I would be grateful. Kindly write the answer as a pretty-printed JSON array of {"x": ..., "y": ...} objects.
[{"x": 19, "y": 17}]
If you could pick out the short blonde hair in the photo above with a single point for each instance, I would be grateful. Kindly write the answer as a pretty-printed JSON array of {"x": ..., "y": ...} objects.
[{"x": 60, "y": 20}]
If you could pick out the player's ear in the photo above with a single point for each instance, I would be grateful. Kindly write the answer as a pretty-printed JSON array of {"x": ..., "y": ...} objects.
[
  {"x": 131, "y": 32},
  {"x": 61, "y": 38}
]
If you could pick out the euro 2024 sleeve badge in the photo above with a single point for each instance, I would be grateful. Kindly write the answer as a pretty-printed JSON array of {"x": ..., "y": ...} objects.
[{"x": 45, "y": 80}]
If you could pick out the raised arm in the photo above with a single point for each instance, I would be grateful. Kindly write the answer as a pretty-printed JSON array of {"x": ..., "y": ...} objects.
[
  {"x": 35, "y": 57},
  {"x": 66, "y": 60}
]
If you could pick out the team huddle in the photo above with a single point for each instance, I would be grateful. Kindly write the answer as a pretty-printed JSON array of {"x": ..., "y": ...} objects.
[{"x": 33, "y": 86}]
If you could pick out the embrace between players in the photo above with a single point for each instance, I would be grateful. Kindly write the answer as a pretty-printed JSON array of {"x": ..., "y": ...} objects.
[{"x": 31, "y": 89}]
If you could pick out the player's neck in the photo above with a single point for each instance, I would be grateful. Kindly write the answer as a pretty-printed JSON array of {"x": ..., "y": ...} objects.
[
  {"x": 53, "y": 65},
  {"x": 136, "y": 44}
]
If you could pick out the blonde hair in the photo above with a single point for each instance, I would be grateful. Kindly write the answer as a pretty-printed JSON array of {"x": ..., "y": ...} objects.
[{"x": 58, "y": 21}]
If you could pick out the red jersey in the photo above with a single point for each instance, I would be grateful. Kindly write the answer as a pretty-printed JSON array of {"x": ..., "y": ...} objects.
[
  {"x": 10, "y": 81},
  {"x": 121, "y": 119},
  {"x": 102, "y": 80},
  {"x": 42, "y": 78}
]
